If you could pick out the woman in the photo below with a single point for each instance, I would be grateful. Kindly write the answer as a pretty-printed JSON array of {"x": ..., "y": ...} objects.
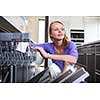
[{"x": 60, "y": 50}]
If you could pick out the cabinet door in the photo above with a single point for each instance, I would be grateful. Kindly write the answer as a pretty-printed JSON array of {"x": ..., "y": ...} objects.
[
  {"x": 82, "y": 55},
  {"x": 97, "y": 73},
  {"x": 98, "y": 61},
  {"x": 91, "y": 62},
  {"x": 82, "y": 59},
  {"x": 91, "y": 32},
  {"x": 98, "y": 57},
  {"x": 91, "y": 67}
]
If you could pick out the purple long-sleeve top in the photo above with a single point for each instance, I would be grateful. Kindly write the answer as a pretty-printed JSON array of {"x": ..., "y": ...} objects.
[{"x": 49, "y": 47}]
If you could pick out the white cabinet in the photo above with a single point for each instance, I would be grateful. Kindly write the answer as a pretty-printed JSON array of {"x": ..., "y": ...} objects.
[
  {"x": 76, "y": 22},
  {"x": 92, "y": 29}
]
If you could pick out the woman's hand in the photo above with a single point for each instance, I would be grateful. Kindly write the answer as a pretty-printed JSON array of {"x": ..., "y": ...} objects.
[{"x": 42, "y": 51}]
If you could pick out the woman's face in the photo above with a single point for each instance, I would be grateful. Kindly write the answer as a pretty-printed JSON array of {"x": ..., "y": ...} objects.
[{"x": 57, "y": 31}]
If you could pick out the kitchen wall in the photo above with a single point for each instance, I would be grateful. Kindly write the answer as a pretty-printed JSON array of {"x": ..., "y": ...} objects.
[{"x": 90, "y": 25}]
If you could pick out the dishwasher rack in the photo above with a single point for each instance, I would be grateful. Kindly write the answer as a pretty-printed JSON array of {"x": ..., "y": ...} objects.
[{"x": 10, "y": 58}]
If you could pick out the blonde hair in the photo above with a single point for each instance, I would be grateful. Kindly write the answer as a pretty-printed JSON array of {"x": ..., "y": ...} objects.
[{"x": 65, "y": 40}]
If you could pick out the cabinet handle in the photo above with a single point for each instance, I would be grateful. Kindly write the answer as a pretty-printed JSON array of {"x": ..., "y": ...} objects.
[
  {"x": 97, "y": 73},
  {"x": 89, "y": 54},
  {"x": 97, "y": 54}
]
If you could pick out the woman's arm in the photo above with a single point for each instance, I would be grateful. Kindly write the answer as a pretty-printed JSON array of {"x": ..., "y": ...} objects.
[{"x": 65, "y": 58}]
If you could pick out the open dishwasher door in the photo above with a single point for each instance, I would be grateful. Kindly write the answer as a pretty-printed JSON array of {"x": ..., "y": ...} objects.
[{"x": 77, "y": 76}]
